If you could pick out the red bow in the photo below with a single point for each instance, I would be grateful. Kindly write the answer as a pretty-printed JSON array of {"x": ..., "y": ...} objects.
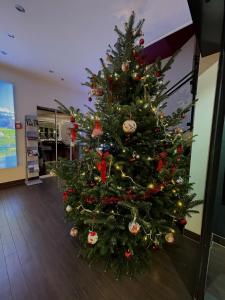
[{"x": 101, "y": 166}]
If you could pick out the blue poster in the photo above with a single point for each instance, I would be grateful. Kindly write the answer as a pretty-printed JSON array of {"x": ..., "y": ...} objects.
[{"x": 8, "y": 157}]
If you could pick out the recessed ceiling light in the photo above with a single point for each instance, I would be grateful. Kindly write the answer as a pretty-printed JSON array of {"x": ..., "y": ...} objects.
[
  {"x": 20, "y": 8},
  {"x": 51, "y": 71},
  {"x": 3, "y": 52},
  {"x": 12, "y": 36}
]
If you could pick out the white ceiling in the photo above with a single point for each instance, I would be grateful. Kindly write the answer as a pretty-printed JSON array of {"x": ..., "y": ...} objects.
[{"x": 69, "y": 35}]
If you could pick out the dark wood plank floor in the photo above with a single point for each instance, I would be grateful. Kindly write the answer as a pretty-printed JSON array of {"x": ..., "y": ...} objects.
[{"x": 39, "y": 261}]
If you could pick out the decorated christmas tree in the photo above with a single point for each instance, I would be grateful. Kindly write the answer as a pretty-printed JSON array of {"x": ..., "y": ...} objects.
[{"x": 129, "y": 191}]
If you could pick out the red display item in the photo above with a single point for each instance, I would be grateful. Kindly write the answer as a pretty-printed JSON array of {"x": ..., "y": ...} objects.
[
  {"x": 72, "y": 119},
  {"x": 141, "y": 42},
  {"x": 157, "y": 74},
  {"x": 97, "y": 131},
  {"x": 128, "y": 254}
]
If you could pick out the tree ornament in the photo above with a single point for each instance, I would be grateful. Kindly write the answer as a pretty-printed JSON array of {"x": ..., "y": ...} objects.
[
  {"x": 183, "y": 222},
  {"x": 97, "y": 92},
  {"x": 65, "y": 196},
  {"x": 69, "y": 208},
  {"x": 134, "y": 227},
  {"x": 141, "y": 42},
  {"x": 180, "y": 180},
  {"x": 73, "y": 231},
  {"x": 97, "y": 131},
  {"x": 136, "y": 76},
  {"x": 180, "y": 149},
  {"x": 129, "y": 126},
  {"x": 157, "y": 74},
  {"x": 125, "y": 66},
  {"x": 128, "y": 254},
  {"x": 92, "y": 237},
  {"x": 169, "y": 237}
]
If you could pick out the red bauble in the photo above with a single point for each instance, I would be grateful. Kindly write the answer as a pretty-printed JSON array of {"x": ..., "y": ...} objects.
[
  {"x": 157, "y": 74},
  {"x": 183, "y": 222},
  {"x": 128, "y": 254},
  {"x": 141, "y": 42}
]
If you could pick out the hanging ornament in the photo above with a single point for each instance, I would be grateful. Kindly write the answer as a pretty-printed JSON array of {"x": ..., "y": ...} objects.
[
  {"x": 92, "y": 237},
  {"x": 101, "y": 166},
  {"x": 169, "y": 237},
  {"x": 180, "y": 149},
  {"x": 74, "y": 132},
  {"x": 97, "y": 131},
  {"x": 157, "y": 74},
  {"x": 73, "y": 231},
  {"x": 129, "y": 126},
  {"x": 128, "y": 254},
  {"x": 65, "y": 196},
  {"x": 97, "y": 92},
  {"x": 182, "y": 222},
  {"x": 141, "y": 41},
  {"x": 69, "y": 208},
  {"x": 136, "y": 76},
  {"x": 134, "y": 227},
  {"x": 180, "y": 180},
  {"x": 125, "y": 66}
]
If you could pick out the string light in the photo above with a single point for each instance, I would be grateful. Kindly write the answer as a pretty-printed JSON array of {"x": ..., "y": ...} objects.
[
  {"x": 174, "y": 191},
  {"x": 180, "y": 203},
  {"x": 149, "y": 158},
  {"x": 151, "y": 186},
  {"x": 145, "y": 238},
  {"x": 117, "y": 167}
]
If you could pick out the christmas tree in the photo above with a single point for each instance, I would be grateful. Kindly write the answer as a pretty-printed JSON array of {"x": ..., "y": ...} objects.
[{"x": 129, "y": 192}]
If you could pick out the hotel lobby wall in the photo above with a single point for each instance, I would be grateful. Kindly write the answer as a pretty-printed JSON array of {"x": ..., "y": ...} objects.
[{"x": 31, "y": 91}]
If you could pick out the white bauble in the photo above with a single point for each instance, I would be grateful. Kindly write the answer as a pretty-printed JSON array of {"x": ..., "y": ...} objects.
[
  {"x": 134, "y": 227},
  {"x": 69, "y": 208},
  {"x": 129, "y": 126},
  {"x": 92, "y": 237}
]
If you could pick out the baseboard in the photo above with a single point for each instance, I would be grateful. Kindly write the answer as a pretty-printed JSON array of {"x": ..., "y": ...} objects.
[
  {"x": 192, "y": 235},
  {"x": 8, "y": 184},
  {"x": 219, "y": 239}
]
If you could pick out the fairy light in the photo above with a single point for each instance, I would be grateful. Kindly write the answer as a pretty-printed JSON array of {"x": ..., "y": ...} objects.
[
  {"x": 124, "y": 150},
  {"x": 180, "y": 203},
  {"x": 145, "y": 238},
  {"x": 151, "y": 186},
  {"x": 117, "y": 167},
  {"x": 83, "y": 174},
  {"x": 149, "y": 158},
  {"x": 174, "y": 191}
]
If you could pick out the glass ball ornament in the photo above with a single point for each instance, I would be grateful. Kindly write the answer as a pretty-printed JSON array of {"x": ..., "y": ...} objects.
[
  {"x": 129, "y": 126},
  {"x": 69, "y": 208},
  {"x": 134, "y": 227}
]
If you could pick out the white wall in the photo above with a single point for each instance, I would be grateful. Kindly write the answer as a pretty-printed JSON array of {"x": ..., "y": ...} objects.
[
  {"x": 202, "y": 128},
  {"x": 30, "y": 92}
]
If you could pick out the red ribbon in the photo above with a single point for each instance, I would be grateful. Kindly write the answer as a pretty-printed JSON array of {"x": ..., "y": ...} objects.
[
  {"x": 74, "y": 132},
  {"x": 102, "y": 167}
]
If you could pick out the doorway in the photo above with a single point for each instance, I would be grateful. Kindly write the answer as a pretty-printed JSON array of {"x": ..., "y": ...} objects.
[{"x": 54, "y": 138}]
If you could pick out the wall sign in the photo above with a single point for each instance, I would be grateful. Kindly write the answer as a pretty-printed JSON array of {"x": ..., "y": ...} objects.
[{"x": 8, "y": 156}]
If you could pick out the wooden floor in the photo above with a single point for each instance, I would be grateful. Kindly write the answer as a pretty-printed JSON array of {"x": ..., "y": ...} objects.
[{"x": 39, "y": 261}]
